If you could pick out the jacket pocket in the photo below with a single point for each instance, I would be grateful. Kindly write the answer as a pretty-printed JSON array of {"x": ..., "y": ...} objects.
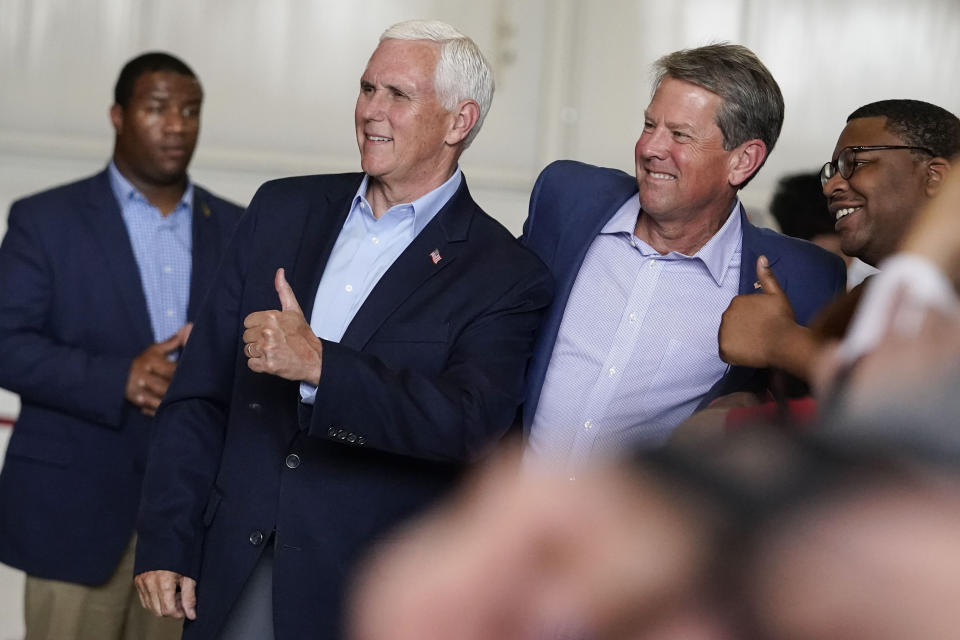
[{"x": 24, "y": 444}]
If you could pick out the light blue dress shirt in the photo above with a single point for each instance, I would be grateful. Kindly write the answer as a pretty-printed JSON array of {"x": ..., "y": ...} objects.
[
  {"x": 162, "y": 246},
  {"x": 365, "y": 249},
  {"x": 637, "y": 347}
]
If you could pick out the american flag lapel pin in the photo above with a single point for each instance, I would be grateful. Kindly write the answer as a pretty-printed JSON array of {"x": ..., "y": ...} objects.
[
  {"x": 435, "y": 256},
  {"x": 205, "y": 209}
]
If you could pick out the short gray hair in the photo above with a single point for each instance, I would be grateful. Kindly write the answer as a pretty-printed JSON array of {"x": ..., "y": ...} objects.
[
  {"x": 752, "y": 103},
  {"x": 462, "y": 72}
]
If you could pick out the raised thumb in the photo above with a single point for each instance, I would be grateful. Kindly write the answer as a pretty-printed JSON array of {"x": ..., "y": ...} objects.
[
  {"x": 288, "y": 300},
  {"x": 765, "y": 276}
]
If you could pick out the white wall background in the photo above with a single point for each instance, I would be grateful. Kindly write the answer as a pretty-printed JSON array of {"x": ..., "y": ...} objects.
[{"x": 281, "y": 78}]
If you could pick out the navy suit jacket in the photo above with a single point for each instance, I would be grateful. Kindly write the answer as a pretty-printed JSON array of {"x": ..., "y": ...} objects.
[
  {"x": 73, "y": 316},
  {"x": 570, "y": 204},
  {"x": 427, "y": 376}
]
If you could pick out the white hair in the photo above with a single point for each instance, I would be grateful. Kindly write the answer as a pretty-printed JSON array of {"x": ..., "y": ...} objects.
[{"x": 462, "y": 72}]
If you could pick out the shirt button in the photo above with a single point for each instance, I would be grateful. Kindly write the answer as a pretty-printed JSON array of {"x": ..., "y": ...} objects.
[
  {"x": 588, "y": 425},
  {"x": 612, "y": 371},
  {"x": 348, "y": 288},
  {"x": 167, "y": 269},
  {"x": 633, "y": 317},
  {"x": 375, "y": 240},
  {"x": 653, "y": 263},
  {"x": 572, "y": 478},
  {"x": 169, "y": 313},
  {"x": 293, "y": 461},
  {"x": 256, "y": 538}
]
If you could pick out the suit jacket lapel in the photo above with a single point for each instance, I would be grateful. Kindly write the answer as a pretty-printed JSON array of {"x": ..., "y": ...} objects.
[
  {"x": 106, "y": 224},
  {"x": 445, "y": 234},
  {"x": 206, "y": 234},
  {"x": 752, "y": 247},
  {"x": 325, "y": 216}
]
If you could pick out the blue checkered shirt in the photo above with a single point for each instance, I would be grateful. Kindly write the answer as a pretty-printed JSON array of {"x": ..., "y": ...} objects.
[{"x": 162, "y": 247}]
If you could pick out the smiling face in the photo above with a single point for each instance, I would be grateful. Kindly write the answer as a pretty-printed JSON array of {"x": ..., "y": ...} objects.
[
  {"x": 403, "y": 131},
  {"x": 157, "y": 131},
  {"x": 876, "y": 205},
  {"x": 683, "y": 171}
]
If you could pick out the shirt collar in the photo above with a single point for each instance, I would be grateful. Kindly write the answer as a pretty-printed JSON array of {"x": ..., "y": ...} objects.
[
  {"x": 124, "y": 190},
  {"x": 715, "y": 254},
  {"x": 423, "y": 208}
]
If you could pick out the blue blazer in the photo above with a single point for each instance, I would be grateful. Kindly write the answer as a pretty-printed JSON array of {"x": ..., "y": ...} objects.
[
  {"x": 428, "y": 375},
  {"x": 570, "y": 204},
  {"x": 73, "y": 316}
]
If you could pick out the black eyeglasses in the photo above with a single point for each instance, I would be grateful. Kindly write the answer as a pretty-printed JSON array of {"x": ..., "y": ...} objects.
[{"x": 846, "y": 162}]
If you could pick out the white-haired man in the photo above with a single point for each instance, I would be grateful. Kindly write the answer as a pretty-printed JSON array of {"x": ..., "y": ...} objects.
[{"x": 285, "y": 446}]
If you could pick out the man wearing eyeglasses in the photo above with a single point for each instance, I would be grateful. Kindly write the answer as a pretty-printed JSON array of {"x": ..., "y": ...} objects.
[{"x": 890, "y": 159}]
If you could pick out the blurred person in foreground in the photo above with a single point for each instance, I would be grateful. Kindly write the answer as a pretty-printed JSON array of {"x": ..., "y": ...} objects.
[
  {"x": 772, "y": 537},
  {"x": 646, "y": 264},
  {"x": 286, "y": 446},
  {"x": 98, "y": 282}
]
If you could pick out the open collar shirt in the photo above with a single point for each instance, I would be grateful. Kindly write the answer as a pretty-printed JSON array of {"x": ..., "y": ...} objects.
[
  {"x": 364, "y": 250},
  {"x": 637, "y": 346}
]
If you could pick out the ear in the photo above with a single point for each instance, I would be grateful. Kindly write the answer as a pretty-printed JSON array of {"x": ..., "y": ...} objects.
[
  {"x": 465, "y": 117},
  {"x": 745, "y": 160},
  {"x": 937, "y": 170},
  {"x": 116, "y": 117}
]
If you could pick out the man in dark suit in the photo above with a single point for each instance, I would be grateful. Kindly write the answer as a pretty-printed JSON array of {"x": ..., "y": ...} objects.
[
  {"x": 645, "y": 266},
  {"x": 285, "y": 447},
  {"x": 98, "y": 280}
]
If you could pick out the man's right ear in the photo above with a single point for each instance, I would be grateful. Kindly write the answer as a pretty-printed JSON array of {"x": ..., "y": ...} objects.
[
  {"x": 937, "y": 170},
  {"x": 116, "y": 118}
]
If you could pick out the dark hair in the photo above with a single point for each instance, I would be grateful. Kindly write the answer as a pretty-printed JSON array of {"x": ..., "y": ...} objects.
[
  {"x": 147, "y": 63},
  {"x": 800, "y": 207},
  {"x": 752, "y": 103},
  {"x": 917, "y": 123}
]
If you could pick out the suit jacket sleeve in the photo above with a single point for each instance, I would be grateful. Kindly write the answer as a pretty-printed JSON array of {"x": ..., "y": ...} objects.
[
  {"x": 42, "y": 370},
  {"x": 191, "y": 424}
]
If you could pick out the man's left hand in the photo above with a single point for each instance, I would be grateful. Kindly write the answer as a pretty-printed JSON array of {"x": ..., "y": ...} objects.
[
  {"x": 755, "y": 324},
  {"x": 281, "y": 342}
]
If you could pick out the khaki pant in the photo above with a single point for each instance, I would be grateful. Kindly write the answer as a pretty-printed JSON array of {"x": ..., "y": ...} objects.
[{"x": 57, "y": 610}]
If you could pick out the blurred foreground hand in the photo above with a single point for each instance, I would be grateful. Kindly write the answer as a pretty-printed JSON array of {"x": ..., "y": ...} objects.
[{"x": 523, "y": 554}]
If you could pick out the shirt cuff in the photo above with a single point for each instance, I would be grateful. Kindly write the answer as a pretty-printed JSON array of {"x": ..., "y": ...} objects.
[{"x": 308, "y": 393}]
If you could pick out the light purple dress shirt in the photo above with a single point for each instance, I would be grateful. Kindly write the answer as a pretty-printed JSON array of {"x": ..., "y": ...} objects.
[{"x": 637, "y": 347}]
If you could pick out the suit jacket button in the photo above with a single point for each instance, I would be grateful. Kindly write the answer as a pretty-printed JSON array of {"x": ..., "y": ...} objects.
[
  {"x": 332, "y": 432},
  {"x": 256, "y": 538},
  {"x": 361, "y": 441},
  {"x": 351, "y": 438},
  {"x": 255, "y": 407},
  {"x": 293, "y": 461}
]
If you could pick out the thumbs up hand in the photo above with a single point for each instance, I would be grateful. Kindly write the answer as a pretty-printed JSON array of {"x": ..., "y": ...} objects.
[
  {"x": 755, "y": 326},
  {"x": 281, "y": 342}
]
